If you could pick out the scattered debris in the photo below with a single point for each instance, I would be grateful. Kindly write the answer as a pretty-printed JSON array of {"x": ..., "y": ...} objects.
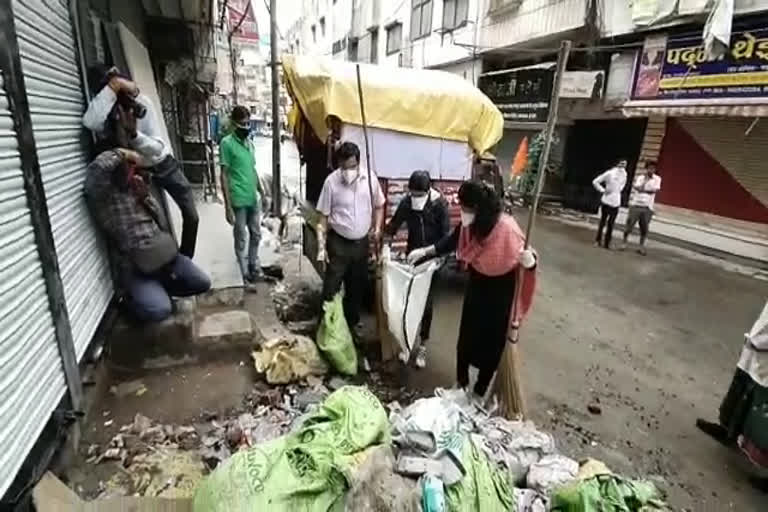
[
  {"x": 595, "y": 409},
  {"x": 337, "y": 382},
  {"x": 128, "y": 388},
  {"x": 550, "y": 472},
  {"x": 289, "y": 358},
  {"x": 297, "y": 302}
]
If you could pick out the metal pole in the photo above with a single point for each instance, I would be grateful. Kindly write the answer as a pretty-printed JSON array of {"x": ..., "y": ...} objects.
[
  {"x": 562, "y": 59},
  {"x": 276, "y": 128}
]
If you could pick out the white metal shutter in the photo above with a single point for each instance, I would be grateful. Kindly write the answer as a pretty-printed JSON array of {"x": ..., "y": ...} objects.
[
  {"x": 743, "y": 155},
  {"x": 51, "y": 74},
  {"x": 31, "y": 374}
]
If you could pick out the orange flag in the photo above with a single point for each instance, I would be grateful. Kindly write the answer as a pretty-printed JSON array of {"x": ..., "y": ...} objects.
[{"x": 521, "y": 158}]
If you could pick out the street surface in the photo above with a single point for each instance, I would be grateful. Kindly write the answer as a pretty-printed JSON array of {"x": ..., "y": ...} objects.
[{"x": 653, "y": 341}]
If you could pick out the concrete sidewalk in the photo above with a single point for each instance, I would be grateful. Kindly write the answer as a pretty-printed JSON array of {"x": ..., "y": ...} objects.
[{"x": 730, "y": 245}]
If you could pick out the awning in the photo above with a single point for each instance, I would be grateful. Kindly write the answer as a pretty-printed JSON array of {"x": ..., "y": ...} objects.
[{"x": 725, "y": 107}]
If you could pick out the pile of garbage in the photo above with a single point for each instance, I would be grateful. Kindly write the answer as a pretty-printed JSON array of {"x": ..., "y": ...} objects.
[
  {"x": 328, "y": 445},
  {"x": 468, "y": 459}
]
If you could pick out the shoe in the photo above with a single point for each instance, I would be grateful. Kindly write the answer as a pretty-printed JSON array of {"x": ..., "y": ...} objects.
[
  {"x": 250, "y": 287},
  {"x": 641, "y": 251},
  {"x": 421, "y": 357},
  {"x": 255, "y": 275},
  {"x": 714, "y": 430}
]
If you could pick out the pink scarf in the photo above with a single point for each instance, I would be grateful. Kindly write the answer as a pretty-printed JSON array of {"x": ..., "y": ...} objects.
[{"x": 497, "y": 255}]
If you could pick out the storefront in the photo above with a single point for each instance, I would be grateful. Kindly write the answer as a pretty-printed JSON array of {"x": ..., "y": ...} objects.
[
  {"x": 714, "y": 150},
  {"x": 523, "y": 95}
]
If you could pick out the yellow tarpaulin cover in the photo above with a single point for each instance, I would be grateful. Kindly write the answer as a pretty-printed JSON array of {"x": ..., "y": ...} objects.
[{"x": 425, "y": 102}]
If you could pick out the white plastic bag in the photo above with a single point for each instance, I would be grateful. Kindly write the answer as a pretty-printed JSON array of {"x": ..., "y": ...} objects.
[{"x": 404, "y": 294}]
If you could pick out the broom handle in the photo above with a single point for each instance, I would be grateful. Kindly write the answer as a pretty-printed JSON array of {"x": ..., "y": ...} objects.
[
  {"x": 562, "y": 59},
  {"x": 367, "y": 155}
]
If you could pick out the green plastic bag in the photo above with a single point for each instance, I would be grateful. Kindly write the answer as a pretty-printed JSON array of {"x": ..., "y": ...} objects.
[
  {"x": 306, "y": 471},
  {"x": 484, "y": 486},
  {"x": 334, "y": 338},
  {"x": 607, "y": 493}
]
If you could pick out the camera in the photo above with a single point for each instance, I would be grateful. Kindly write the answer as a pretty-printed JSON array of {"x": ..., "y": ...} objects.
[{"x": 130, "y": 104}]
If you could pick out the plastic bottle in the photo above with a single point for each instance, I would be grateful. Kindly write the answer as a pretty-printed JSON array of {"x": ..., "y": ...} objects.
[{"x": 432, "y": 494}]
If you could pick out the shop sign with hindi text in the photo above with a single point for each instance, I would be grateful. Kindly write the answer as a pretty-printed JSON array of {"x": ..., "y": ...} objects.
[{"x": 678, "y": 68}]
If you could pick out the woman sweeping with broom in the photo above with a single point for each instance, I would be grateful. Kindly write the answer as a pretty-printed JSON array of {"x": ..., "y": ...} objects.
[{"x": 490, "y": 245}]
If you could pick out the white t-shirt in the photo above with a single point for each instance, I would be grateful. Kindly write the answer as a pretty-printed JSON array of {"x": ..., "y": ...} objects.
[
  {"x": 610, "y": 184},
  {"x": 646, "y": 194}
]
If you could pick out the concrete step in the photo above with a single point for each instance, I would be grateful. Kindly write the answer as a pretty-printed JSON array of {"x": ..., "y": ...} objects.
[{"x": 195, "y": 333}]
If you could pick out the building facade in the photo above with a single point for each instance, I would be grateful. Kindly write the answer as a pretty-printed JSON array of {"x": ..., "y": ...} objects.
[
  {"x": 57, "y": 286},
  {"x": 510, "y": 46}
]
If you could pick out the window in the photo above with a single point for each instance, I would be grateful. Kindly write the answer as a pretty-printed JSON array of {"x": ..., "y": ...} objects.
[
  {"x": 421, "y": 18},
  {"x": 374, "y": 45},
  {"x": 314, "y": 34},
  {"x": 322, "y": 27},
  {"x": 352, "y": 50},
  {"x": 455, "y": 13},
  {"x": 394, "y": 38}
]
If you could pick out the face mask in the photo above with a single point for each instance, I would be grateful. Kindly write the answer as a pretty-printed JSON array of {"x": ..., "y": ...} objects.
[
  {"x": 417, "y": 203},
  {"x": 467, "y": 218},
  {"x": 349, "y": 175},
  {"x": 242, "y": 132}
]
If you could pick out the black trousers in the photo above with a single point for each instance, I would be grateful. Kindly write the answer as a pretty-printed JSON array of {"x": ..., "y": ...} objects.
[
  {"x": 168, "y": 176},
  {"x": 426, "y": 318},
  {"x": 484, "y": 324},
  {"x": 347, "y": 265},
  {"x": 607, "y": 219},
  {"x": 638, "y": 215}
]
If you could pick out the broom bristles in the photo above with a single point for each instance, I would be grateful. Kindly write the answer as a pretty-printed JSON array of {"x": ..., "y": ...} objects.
[{"x": 509, "y": 385}]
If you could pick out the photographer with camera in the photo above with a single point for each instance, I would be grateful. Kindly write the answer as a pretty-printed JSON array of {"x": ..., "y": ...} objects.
[{"x": 122, "y": 117}]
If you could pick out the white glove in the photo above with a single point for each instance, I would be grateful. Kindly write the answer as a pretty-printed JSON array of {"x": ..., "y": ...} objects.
[
  {"x": 417, "y": 254},
  {"x": 322, "y": 256},
  {"x": 527, "y": 258}
]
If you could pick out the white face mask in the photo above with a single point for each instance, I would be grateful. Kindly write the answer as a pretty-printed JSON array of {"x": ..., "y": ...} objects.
[
  {"x": 349, "y": 175},
  {"x": 418, "y": 203},
  {"x": 467, "y": 218}
]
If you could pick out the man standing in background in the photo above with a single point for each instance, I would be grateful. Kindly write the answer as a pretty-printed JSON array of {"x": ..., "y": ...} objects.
[
  {"x": 609, "y": 184},
  {"x": 641, "y": 202},
  {"x": 242, "y": 194}
]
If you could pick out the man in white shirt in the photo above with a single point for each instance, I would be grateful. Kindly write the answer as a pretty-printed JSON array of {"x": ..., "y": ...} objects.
[
  {"x": 348, "y": 215},
  {"x": 609, "y": 184},
  {"x": 119, "y": 111},
  {"x": 644, "y": 190}
]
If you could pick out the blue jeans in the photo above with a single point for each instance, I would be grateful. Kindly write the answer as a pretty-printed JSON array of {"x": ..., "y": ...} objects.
[
  {"x": 150, "y": 296},
  {"x": 248, "y": 225}
]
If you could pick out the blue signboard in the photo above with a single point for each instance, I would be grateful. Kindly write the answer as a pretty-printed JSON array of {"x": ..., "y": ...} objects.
[{"x": 678, "y": 68}]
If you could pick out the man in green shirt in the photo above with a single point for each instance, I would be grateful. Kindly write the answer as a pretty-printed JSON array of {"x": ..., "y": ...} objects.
[{"x": 242, "y": 193}]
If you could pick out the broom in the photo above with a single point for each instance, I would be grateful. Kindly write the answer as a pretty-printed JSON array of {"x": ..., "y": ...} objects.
[{"x": 509, "y": 386}]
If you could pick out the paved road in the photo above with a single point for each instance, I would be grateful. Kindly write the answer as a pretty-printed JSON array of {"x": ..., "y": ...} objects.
[{"x": 653, "y": 339}]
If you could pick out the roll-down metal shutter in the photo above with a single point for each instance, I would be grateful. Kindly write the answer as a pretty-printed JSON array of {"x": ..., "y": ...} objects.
[
  {"x": 739, "y": 144},
  {"x": 50, "y": 64},
  {"x": 31, "y": 374}
]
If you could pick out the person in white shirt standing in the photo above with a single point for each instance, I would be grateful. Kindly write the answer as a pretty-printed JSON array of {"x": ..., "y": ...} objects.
[
  {"x": 121, "y": 116},
  {"x": 349, "y": 217},
  {"x": 609, "y": 184},
  {"x": 644, "y": 190}
]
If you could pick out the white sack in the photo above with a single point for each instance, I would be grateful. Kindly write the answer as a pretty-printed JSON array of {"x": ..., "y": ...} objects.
[{"x": 404, "y": 296}]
